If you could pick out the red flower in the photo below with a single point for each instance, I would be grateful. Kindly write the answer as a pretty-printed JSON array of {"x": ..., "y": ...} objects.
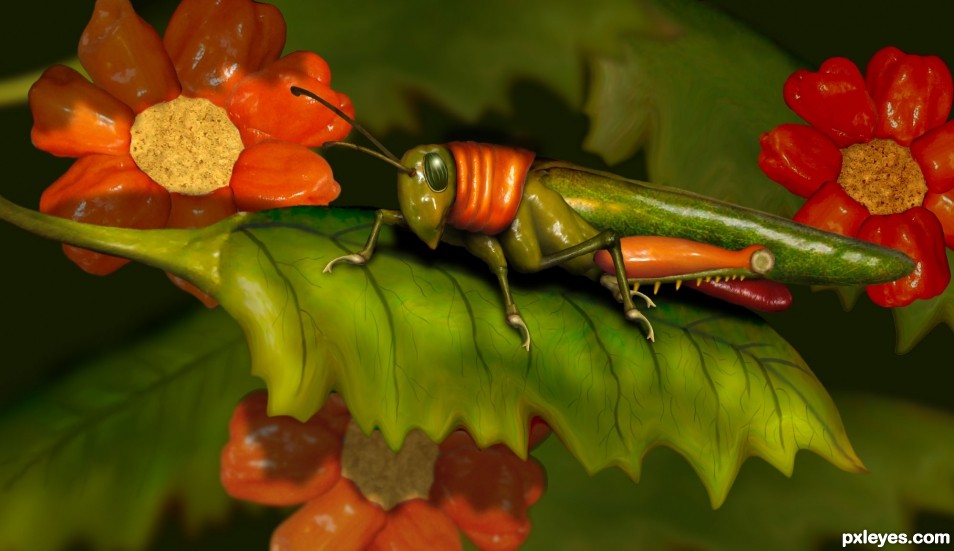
[
  {"x": 877, "y": 162},
  {"x": 184, "y": 130},
  {"x": 330, "y": 466}
]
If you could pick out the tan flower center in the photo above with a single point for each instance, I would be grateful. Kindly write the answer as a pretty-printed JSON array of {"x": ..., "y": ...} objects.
[
  {"x": 882, "y": 176},
  {"x": 187, "y": 145},
  {"x": 385, "y": 477}
]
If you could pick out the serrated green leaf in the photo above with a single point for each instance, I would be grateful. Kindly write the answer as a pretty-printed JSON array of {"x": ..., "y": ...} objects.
[
  {"x": 99, "y": 456},
  {"x": 697, "y": 99},
  {"x": 909, "y": 450},
  {"x": 463, "y": 55},
  {"x": 414, "y": 342}
]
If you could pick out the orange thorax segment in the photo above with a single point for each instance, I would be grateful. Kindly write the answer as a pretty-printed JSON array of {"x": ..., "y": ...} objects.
[{"x": 490, "y": 181}]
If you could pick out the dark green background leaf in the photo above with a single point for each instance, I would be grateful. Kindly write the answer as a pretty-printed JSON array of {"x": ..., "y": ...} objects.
[{"x": 101, "y": 455}]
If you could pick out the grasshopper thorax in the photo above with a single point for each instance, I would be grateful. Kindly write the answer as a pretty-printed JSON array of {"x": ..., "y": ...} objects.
[{"x": 427, "y": 194}]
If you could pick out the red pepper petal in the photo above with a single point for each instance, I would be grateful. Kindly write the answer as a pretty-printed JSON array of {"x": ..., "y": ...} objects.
[
  {"x": 799, "y": 157},
  {"x": 263, "y": 108},
  {"x": 216, "y": 44},
  {"x": 487, "y": 493},
  {"x": 879, "y": 64},
  {"x": 918, "y": 234},
  {"x": 912, "y": 95},
  {"x": 334, "y": 415},
  {"x": 832, "y": 209},
  {"x": 339, "y": 520},
  {"x": 419, "y": 526},
  {"x": 106, "y": 190},
  {"x": 125, "y": 57},
  {"x": 72, "y": 117},
  {"x": 942, "y": 205},
  {"x": 934, "y": 153},
  {"x": 279, "y": 174},
  {"x": 834, "y": 101},
  {"x": 278, "y": 460}
]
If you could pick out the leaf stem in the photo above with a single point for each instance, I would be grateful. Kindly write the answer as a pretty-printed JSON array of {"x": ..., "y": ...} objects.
[{"x": 191, "y": 254}]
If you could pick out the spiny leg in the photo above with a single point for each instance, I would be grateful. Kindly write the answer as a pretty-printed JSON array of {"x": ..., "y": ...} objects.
[
  {"x": 609, "y": 281},
  {"x": 381, "y": 217},
  {"x": 606, "y": 239},
  {"x": 488, "y": 249}
]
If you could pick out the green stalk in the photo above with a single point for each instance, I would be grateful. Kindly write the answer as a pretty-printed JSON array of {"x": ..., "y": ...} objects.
[
  {"x": 803, "y": 255},
  {"x": 191, "y": 254}
]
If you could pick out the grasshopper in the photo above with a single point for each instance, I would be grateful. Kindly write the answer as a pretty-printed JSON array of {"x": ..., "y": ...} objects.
[{"x": 514, "y": 212}]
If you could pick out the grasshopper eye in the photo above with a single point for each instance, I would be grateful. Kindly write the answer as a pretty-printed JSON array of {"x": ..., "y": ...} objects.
[{"x": 435, "y": 172}]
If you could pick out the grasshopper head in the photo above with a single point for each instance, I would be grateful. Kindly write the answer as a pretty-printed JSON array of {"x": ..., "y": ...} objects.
[{"x": 427, "y": 195}]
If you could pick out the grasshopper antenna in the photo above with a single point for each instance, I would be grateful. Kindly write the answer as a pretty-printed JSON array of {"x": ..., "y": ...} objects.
[{"x": 385, "y": 154}]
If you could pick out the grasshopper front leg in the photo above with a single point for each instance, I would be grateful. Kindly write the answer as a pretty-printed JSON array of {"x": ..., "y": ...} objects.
[
  {"x": 488, "y": 249},
  {"x": 381, "y": 217}
]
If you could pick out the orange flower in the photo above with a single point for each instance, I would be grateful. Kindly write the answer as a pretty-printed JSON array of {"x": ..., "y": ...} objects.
[
  {"x": 330, "y": 466},
  {"x": 184, "y": 130}
]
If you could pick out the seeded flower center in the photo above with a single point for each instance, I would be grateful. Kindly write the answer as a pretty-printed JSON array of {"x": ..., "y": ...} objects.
[
  {"x": 385, "y": 477},
  {"x": 187, "y": 145},
  {"x": 882, "y": 176}
]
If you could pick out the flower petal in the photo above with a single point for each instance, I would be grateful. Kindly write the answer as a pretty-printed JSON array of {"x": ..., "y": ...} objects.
[
  {"x": 833, "y": 100},
  {"x": 942, "y": 205},
  {"x": 263, "y": 108},
  {"x": 799, "y": 157},
  {"x": 198, "y": 211},
  {"x": 487, "y": 493},
  {"x": 109, "y": 191},
  {"x": 417, "y": 525},
  {"x": 934, "y": 153},
  {"x": 216, "y": 43},
  {"x": 339, "y": 520},
  {"x": 278, "y": 460},
  {"x": 279, "y": 174},
  {"x": 832, "y": 209},
  {"x": 72, "y": 117},
  {"x": 918, "y": 234},
  {"x": 912, "y": 94},
  {"x": 125, "y": 57}
]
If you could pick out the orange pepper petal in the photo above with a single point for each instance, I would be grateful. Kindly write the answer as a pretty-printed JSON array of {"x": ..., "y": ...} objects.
[
  {"x": 263, "y": 107},
  {"x": 417, "y": 525},
  {"x": 487, "y": 493},
  {"x": 72, "y": 117},
  {"x": 125, "y": 57},
  {"x": 339, "y": 520},
  {"x": 278, "y": 460},
  {"x": 832, "y": 209},
  {"x": 106, "y": 190},
  {"x": 942, "y": 205},
  {"x": 934, "y": 153},
  {"x": 197, "y": 211},
  {"x": 334, "y": 414},
  {"x": 215, "y": 44},
  {"x": 280, "y": 174}
]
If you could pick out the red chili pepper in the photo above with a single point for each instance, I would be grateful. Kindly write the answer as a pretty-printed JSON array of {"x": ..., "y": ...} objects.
[
  {"x": 917, "y": 233},
  {"x": 763, "y": 295}
]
